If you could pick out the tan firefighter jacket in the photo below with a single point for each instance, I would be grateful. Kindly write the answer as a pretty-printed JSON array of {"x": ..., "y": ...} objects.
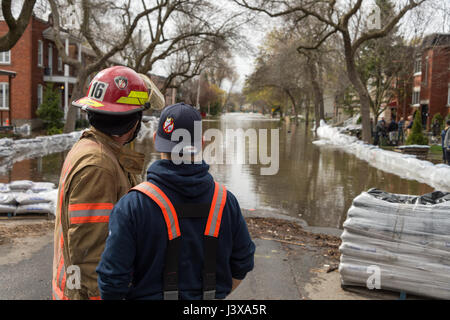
[{"x": 97, "y": 172}]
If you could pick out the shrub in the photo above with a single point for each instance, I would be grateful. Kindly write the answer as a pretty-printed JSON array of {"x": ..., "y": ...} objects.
[
  {"x": 81, "y": 124},
  {"x": 416, "y": 136},
  {"x": 50, "y": 111}
]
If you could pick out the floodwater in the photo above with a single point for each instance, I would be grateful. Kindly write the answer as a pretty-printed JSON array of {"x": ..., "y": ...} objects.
[{"x": 316, "y": 184}]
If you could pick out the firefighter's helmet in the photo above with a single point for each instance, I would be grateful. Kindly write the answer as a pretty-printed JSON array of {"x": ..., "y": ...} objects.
[{"x": 116, "y": 91}]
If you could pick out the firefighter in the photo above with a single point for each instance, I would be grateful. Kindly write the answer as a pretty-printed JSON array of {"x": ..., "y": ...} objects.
[
  {"x": 98, "y": 170},
  {"x": 180, "y": 234}
]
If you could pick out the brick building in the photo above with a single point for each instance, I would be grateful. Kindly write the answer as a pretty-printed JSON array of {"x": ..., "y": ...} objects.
[
  {"x": 431, "y": 87},
  {"x": 36, "y": 62}
]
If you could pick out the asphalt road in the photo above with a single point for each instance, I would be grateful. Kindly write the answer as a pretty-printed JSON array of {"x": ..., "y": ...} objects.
[{"x": 28, "y": 279}]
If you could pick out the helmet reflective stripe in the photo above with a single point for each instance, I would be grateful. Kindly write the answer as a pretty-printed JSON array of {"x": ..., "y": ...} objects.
[{"x": 135, "y": 97}]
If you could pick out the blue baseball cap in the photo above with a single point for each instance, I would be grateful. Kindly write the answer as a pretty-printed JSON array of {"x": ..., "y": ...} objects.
[{"x": 174, "y": 117}]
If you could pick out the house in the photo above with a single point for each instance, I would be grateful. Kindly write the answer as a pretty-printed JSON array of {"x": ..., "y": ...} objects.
[
  {"x": 35, "y": 61},
  {"x": 431, "y": 88}
]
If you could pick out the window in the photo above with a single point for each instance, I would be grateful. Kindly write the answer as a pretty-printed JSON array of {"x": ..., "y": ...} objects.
[
  {"x": 425, "y": 77},
  {"x": 416, "y": 98},
  {"x": 39, "y": 95},
  {"x": 448, "y": 96},
  {"x": 40, "y": 54},
  {"x": 5, "y": 57},
  {"x": 60, "y": 64},
  {"x": 418, "y": 65},
  {"x": 4, "y": 96},
  {"x": 50, "y": 59}
]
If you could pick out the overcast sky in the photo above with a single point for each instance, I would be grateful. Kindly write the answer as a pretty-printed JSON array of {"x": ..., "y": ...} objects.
[{"x": 254, "y": 33}]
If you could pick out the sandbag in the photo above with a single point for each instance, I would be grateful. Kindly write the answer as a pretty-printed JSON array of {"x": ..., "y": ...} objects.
[
  {"x": 42, "y": 186},
  {"x": 7, "y": 198},
  {"x": 29, "y": 198},
  {"x": 7, "y": 208},
  {"x": 21, "y": 185},
  {"x": 4, "y": 187},
  {"x": 35, "y": 208}
]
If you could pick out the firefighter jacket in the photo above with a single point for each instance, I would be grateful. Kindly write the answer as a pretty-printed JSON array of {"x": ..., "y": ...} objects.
[{"x": 97, "y": 172}]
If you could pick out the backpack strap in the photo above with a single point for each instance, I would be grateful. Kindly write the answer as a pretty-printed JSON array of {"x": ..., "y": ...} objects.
[
  {"x": 210, "y": 241},
  {"x": 170, "y": 274},
  {"x": 167, "y": 208}
]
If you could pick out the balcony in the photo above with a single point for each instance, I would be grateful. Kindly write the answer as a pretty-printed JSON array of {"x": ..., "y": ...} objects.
[{"x": 59, "y": 79}]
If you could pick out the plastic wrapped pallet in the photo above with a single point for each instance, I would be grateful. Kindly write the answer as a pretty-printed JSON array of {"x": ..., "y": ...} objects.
[{"x": 406, "y": 237}]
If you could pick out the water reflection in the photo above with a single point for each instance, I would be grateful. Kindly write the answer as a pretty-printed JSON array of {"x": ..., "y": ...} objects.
[{"x": 314, "y": 183}]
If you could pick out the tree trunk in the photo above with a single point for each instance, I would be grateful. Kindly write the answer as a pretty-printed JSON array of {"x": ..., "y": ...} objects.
[
  {"x": 363, "y": 94},
  {"x": 317, "y": 92},
  {"x": 307, "y": 110},
  {"x": 77, "y": 93}
]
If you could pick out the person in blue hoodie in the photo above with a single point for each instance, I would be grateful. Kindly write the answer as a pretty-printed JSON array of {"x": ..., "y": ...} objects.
[{"x": 180, "y": 235}]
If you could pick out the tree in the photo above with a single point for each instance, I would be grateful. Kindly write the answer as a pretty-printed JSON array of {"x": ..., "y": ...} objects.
[
  {"x": 92, "y": 30},
  {"x": 188, "y": 29},
  {"x": 50, "y": 111},
  {"x": 335, "y": 20},
  {"x": 16, "y": 27},
  {"x": 189, "y": 35},
  {"x": 416, "y": 136},
  {"x": 280, "y": 69}
]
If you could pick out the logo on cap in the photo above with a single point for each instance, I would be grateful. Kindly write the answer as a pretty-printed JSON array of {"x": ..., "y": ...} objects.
[
  {"x": 121, "y": 82},
  {"x": 168, "y": 125}
]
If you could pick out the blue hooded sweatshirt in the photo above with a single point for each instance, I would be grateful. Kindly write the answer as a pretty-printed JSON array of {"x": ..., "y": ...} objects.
[{"x": 133, "y": 261}]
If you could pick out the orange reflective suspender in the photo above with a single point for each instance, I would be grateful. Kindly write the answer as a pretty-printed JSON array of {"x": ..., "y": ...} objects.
[
  {"x": 170, "y": 215},
  {"x": 214, "y": 214}
]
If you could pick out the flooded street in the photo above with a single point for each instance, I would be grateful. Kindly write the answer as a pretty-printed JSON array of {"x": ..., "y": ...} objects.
[{"x": 313, "y": 183}]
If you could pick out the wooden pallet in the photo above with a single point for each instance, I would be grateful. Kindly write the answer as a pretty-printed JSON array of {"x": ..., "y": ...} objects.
[{"x": 24, "y": 216}]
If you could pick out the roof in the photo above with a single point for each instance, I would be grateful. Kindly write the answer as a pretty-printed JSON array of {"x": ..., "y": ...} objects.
[
  {"x": 48, "y": 34},
  {"x": 435, "y": 40},
  {"x": 7, "y": 73}
]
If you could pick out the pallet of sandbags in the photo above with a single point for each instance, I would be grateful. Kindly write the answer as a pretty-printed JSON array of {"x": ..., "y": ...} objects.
[
  {"x": 398, "y": 243},
  {"x": 26, "y": 199}
]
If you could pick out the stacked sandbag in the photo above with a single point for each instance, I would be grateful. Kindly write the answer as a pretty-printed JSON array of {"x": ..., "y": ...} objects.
[
  {"x": 406, "y": 237},
  {"x": 24, "y": 197}
]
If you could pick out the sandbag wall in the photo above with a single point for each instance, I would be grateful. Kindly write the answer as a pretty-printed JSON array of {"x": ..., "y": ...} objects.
[
  {"x": 407, "y": 238},
  {"x": 25, "y": 197}
]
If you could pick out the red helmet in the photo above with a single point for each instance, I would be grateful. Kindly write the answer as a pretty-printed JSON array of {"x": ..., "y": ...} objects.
[{"x": 116, "y": 90}]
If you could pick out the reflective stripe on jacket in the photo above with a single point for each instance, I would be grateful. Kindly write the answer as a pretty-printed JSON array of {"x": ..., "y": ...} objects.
[{"x": 96, "y": 173}]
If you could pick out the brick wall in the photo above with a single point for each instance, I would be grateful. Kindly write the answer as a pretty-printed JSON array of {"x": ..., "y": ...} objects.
[
  {"x": 21, "y": 60},
  {"x": 435, "y": 79}
]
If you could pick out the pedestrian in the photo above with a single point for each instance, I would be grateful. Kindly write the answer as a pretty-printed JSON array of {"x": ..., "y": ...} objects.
[
  {"x": 380, "y": 132},
  {"x": 393, "y": 132},
  {"x": 436, "y": 130},
  {"x": 97, "y": 171},
  {"x": 409, "y": 125},
  {"x": 180, "y": 235},
  {"x": 443, "y": 143},
  {"x": 401, "y": 133}
]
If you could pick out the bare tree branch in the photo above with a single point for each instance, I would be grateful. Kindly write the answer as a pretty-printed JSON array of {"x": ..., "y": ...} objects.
[{"x": 15, "y": 27}]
